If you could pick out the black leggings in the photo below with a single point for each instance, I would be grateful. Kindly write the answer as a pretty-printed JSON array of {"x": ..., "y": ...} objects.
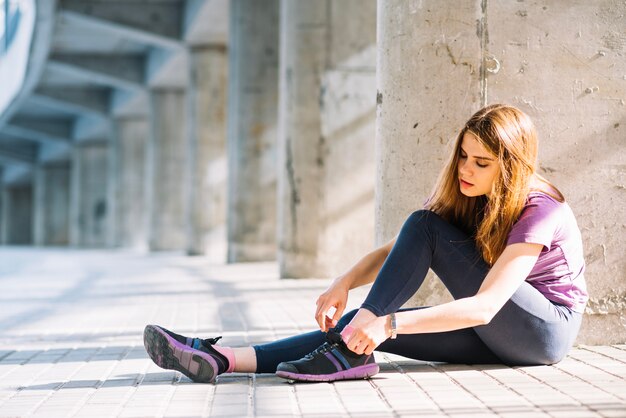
[{"x": 528, "y": 330}]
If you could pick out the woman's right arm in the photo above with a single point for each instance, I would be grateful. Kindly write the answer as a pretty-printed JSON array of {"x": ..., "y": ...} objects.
[{"x": 362, "y": 273}]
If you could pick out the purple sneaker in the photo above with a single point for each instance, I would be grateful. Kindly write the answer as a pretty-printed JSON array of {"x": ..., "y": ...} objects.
[
  {"x": 193, "y": 357},
  {"x": 331, "y": 361}
]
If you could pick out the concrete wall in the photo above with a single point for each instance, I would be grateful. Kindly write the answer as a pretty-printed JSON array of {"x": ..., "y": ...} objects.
[{"x": 562, "y": 63}]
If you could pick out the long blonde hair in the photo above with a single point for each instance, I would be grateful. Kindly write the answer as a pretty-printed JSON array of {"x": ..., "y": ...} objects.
[{"x": 509, "y": 134}]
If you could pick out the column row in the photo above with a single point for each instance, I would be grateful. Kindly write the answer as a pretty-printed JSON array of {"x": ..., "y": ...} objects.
[{"x": 266, "y": 154}]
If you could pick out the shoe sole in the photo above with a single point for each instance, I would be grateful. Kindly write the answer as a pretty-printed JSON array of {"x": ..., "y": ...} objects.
[
  {"x": 360, "y": 372},
  {"x": 168, "y": 353}
]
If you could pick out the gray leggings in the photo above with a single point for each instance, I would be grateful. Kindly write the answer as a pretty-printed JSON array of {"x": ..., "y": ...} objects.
[{"x": 528, "y": 330}]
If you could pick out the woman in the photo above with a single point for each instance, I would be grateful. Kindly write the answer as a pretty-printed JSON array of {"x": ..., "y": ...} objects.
[{"x": 500, "y": 238}]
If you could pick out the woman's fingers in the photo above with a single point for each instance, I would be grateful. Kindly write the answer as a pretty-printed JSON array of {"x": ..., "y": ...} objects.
[
  {"x": 320, "y": 313},
  {"x": 339, "y": 308},
  {"x": 328, "y": 322}
]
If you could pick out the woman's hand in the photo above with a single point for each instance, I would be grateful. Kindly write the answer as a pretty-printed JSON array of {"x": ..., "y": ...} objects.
[
  {"x": 364, "y": 338},
  {"x": 336, "y": 296}
]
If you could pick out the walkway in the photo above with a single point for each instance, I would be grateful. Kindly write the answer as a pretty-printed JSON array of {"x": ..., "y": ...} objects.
[{"x": 70, "y": 345}]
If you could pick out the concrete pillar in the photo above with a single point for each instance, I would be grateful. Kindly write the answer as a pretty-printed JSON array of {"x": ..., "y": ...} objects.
[
  {"x": 2, "y": 220},
  {"x": 127, "y": 179},
  {"x": 205, "y": 186},
  {"x": 252, "y": 113},
  {"x": 348, "y": 119},
  {"x": 303, "y": 37},
  {"x": 89, "y": 209},
  {"x": 51, "y": 204},
  {"x": 326, "y": 120},
  {"x": 418, "y": 111},
  {"x": 563, "y": 65},
  {"x": 165, "y": 170},
  {"x": 17, "y": 214}
]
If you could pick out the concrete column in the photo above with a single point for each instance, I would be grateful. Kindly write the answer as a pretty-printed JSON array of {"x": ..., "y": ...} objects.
[
  {"x": 304, "y": 32},
  {"x": 326, "y": 152},
  {"x": 252, "y": 113},
  {"x": 51, "y": 204},
  {"x": 165, "y": 170},
  {"x": 348, "y": 119},
  {"x": 127, "y": 179},
  {"x": 2, "y": 219},
  {"x": 89, "y": 209},
  {"x": 17, "y": 214},
  {"x": 205, "y": 186},
  {"x": 563, "y": 65},
  {"x": 418, "y": 111}
]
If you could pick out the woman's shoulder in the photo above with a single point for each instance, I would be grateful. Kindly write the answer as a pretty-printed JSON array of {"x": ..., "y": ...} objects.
[
  {"x": 542, "y": 190},
  {"x": 540, "y": 197},
  {"x": 540, "y": 206}
]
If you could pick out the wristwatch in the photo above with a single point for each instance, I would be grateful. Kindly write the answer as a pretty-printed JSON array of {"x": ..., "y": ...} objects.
[{"x": 394, "y": 330}]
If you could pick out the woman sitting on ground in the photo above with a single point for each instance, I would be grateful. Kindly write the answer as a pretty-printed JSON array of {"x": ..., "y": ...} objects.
[{"x": 499, "y": 236}]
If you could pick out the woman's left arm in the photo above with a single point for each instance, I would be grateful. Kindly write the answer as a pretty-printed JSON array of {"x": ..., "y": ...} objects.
[{"x": 506, "y": 275}]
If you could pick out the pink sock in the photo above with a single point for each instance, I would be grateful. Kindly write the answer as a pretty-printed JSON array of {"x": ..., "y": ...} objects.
[
  {"x": 346, "y": 333},
  {"x": 229, "y": 354}
]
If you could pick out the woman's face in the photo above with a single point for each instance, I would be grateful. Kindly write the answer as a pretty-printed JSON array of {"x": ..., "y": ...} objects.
[{"x": 478, "y": 168}]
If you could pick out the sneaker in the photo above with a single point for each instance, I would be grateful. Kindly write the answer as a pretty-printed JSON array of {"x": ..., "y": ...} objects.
[
  {"x": 193, "y": 357},
  {"x": 331, "y": 361}
]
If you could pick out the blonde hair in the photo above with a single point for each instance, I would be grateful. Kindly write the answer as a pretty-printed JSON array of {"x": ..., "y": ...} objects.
[{"x": 509, "y": 134}]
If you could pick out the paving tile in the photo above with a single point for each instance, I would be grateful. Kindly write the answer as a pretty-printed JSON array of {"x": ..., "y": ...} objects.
[{"x": 71, "y": 345}]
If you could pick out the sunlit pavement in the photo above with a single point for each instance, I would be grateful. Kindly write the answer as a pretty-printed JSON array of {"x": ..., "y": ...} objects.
[{"x": 71, "y": 345}]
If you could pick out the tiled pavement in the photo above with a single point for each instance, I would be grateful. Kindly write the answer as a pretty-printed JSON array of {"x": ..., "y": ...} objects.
[{"x": 70, "y": 345}]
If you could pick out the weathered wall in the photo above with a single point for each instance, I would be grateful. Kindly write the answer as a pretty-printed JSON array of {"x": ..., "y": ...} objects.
[
  {"x": 564, "y": 63},
  {"x": 561, "y": 62}
]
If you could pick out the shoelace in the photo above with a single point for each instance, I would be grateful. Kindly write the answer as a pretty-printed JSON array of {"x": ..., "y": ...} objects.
[
  {"x": 320, "y": 350},
  {"x": 211, "y": 341},
  {"x": 333, "y": 340}
]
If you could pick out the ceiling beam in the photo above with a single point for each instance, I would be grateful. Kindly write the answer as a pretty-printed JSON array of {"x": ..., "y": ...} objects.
[
  {"x": 76, "y": 100},
  {"x": 40, "y": 130},
  {"x": 13, "y": 155},
  {"x": 153, "y": 23},
  {"x": 116, "y": 71}
]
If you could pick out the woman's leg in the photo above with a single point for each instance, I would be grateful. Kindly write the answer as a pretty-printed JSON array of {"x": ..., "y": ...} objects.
[
  {"x": 269, "y": 355},
  {"x": 529, "y": 329},
  {"x": 425, "y": 241}
]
